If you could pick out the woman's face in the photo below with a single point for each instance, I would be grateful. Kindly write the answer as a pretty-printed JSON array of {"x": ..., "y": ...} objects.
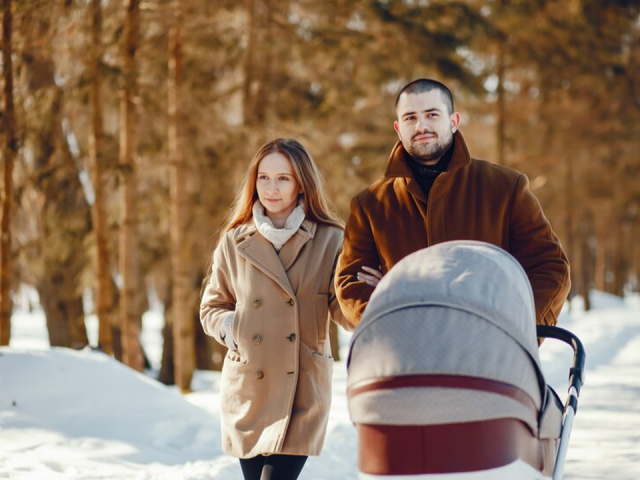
[{"x": 277, "y": 187}]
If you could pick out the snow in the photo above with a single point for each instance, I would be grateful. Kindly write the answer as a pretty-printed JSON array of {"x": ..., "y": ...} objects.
[{"x": 68, "y": 414}]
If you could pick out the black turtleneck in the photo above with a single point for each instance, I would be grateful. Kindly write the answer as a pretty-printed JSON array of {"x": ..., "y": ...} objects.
[{"x": 425, "y": 175}]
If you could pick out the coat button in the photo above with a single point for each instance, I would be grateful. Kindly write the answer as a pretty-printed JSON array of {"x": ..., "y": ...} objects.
[
  {"x": 257, "y": 303},
  {"x": 291, "y": 302},
  {"x": 257, "y": 339},
  {"x": 259, "y": 375},
  {"x": 292, "y": 337}
]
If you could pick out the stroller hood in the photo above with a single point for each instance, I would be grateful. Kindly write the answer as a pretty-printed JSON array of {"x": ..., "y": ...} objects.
[{"x": 461, "y": 308}]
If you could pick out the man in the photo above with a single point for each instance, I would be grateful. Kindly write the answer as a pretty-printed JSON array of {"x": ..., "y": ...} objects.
[{"x": 433, "y": 191}]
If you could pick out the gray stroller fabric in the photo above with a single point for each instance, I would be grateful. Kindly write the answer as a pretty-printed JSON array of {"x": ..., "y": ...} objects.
[{"x": 457, "y": 308}]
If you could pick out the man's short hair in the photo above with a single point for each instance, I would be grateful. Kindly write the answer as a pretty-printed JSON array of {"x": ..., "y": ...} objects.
[{"x": 422, "y": 85}]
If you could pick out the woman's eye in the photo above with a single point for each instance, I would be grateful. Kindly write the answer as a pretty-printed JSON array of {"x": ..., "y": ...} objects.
[
  {"x": 284, "y": 179},
  {"x": 262, "y": 177}
]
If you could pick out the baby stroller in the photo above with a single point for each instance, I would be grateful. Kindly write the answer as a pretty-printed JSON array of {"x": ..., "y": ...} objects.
[{"x": 444, "y": 379}]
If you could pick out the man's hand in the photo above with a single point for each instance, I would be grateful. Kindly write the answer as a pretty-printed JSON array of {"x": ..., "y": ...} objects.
[{"x": 372, "y": 277}]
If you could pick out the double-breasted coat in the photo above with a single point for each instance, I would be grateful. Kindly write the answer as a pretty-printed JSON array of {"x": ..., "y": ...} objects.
[{"x": 276, "y": 388}]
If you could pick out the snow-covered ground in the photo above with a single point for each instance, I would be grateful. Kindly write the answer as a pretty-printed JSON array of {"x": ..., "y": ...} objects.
[{"x": 81, "y": 415}]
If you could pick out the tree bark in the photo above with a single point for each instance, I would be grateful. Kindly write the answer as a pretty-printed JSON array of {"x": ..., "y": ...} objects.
[
  {"x": 268, "y": 32},
  {"x": 569, "y": 214},
  {"x": 167, "y": 365},
  {"x": 501, "y": 123},
  {"x": 249, "y": 70},
  {"x": 587, "y": 260},
  {"x": 9, "y": 153},
  {"x": 183, "y": 327},
  {"x": 63, "y": 311},
  {"x": 103, "y": 293},
  {"x": 131, "y": 351}
]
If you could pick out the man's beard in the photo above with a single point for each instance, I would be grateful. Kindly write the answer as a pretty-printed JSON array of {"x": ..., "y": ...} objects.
[{"x": 429, "y": 152}]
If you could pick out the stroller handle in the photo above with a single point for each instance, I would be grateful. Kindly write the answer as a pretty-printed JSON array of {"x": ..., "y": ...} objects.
[
  {"x": 576, "y": 373},
  {"x": 576, "y": 379}
]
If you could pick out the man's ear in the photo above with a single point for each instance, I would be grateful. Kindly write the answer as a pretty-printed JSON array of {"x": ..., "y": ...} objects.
[
  {"x": 396, "y": 127},
  {"x": 455, "y": 122}
]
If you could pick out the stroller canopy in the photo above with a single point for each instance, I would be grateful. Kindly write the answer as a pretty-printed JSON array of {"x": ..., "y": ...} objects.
[{"x": 461, "y": 309}]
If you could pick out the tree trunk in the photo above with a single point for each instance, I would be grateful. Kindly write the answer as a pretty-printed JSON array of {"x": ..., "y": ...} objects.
[
  {"x": 167, "y": 366},
  {"x": 587, "y": 259},
  {"x": 183, "y": 331},
  {"x": 103, "y": 293},
  {"x": 60, "y": 212},
  {"x": 249, "y": 70},
  {"x": 602, "y": 229},
  {"x": 9, "y": 153},
  {"x": 131, "y": 351},
  {"x": 268, "y": 31},
  {"x": 63, "y": 310},
  {"x": 569, "y": 215},
  {"x": 501, "y": 123}
]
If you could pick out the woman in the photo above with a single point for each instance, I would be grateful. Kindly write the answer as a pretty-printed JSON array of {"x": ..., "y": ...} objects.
[{"x": 268, "y": 299}]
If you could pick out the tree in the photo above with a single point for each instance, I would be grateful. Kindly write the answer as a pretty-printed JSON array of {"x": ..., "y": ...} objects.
[
  {"x": 183, "y": 326},
  {"x": 9, "y": 153},
  {"x": 131, "y": 351},
  {"x": 103, "y": 292},
  {"x": 54, "y": 214}
]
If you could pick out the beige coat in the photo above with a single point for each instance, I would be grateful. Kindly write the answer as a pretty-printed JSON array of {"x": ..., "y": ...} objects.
[{"x": 276, "y": 389}]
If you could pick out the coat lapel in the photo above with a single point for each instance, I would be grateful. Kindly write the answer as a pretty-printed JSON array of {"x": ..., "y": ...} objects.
[
  {"x": 260, "y": 253},
  {"x": 291, "y": 249}
]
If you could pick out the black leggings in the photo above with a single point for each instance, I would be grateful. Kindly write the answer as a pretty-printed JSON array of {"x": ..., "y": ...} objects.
[{"x": 272, "y": 467}]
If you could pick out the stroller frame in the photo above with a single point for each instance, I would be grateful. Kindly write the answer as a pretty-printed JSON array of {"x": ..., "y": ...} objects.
[{"x": 576, "y": 380}]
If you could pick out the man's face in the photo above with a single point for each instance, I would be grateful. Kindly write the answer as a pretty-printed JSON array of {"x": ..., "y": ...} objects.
[{"x": 425, "y": 126}]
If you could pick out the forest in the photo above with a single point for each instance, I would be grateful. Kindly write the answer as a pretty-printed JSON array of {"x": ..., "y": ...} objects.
[{"x": 127, "y": 126}]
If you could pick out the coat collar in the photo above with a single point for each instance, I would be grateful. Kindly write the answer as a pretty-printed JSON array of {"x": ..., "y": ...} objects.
[
  {"x": 291, "y": 249},
  {"x": 397, "y": 165},
  {"x": 260, "y": 252}
]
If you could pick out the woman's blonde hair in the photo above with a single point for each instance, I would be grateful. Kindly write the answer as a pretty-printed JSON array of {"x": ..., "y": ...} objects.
[{"x": 315, "y": 204}]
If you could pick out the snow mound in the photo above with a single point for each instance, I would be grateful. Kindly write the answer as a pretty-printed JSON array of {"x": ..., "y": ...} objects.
[{"x": 60, "y": 401}]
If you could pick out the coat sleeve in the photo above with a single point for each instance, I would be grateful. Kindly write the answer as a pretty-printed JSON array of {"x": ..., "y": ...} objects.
[
  {"x": 334, "y": 306},
  {"x": 219, "y": 297},
  {"x": 359, "y": 249},
  {"x": 534, "y": 244}
]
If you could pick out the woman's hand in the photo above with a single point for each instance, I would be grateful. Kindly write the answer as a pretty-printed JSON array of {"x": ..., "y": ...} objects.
[
  {"x": 227, "y": 331},
  {"x": 372, "y": 277}
]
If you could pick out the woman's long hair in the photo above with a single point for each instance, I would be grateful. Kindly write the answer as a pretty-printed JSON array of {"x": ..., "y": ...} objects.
[{"x": 315, "y": 204}]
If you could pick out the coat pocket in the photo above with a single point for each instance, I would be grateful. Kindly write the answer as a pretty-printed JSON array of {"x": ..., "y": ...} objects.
[{"x": 322, "y": 316}]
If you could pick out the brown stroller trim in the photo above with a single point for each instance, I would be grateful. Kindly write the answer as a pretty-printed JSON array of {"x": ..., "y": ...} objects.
[{"x": 448, "y": 448}]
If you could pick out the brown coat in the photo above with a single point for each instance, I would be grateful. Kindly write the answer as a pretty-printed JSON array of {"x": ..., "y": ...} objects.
[
  {"x": 276, "y": 389},
  {"x": 472, "y": 200}
]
